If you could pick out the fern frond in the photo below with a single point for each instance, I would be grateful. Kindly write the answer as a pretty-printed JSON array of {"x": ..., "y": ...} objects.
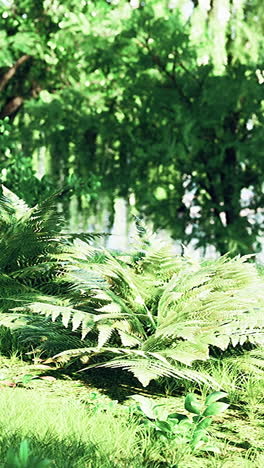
[
  {"x": 146, "y": 370},
  {"x": 171, "y": 320},
  {"x": 105, "y": 332},
  {"x": 160, "y": 262},
  {"x": 84, "y": 236},
  {"x": 66, "y": 312},
  {"x": 144, "y": 366}
]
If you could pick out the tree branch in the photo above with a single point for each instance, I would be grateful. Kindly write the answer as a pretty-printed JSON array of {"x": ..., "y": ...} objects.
[
  {"x": 171, "y": 76},
  {"x": 12, "y": 71},
  {"x": 12, "y": 107}
]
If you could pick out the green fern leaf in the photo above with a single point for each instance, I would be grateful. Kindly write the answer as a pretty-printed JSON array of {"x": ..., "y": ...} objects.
[
  {"x": 105, "y": 332},
  {"x": 127, "y": 339}
]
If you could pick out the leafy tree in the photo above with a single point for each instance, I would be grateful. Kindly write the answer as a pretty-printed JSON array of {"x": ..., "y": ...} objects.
[
  {"x": 145, "y": 102},
  {"x": 37, "y": 41},
  {"x": 211, "y": 127}
]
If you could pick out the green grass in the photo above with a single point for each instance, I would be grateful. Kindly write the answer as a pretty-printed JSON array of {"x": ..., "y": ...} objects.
[
  {"x": 62, "y": 421},
  {"x": 75, "y": 425}
]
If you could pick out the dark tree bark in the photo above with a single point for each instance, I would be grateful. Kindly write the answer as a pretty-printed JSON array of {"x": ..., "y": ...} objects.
[
  {"x": 7, "y": 76},
  {"x": 11, "y": 108}
]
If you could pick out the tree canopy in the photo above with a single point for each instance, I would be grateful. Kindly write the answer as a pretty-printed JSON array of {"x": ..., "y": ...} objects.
[{"x": 157, "y": 102}]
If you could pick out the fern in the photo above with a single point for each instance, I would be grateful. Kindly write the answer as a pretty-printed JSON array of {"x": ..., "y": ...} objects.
[
  {"x": 152, "y": 312},
  {"x": 171, "y": 321},
  {"x": 31, "y": 270}
]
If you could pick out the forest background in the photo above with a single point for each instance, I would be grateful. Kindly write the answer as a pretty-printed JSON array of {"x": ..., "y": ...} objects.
[{"x": 157, "y": 105}]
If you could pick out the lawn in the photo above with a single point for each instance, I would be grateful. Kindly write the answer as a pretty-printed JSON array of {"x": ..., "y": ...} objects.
[{"x": 73, "y": 422}]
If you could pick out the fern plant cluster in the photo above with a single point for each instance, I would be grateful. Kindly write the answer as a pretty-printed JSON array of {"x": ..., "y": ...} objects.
[{"x": 150, "y": 311}]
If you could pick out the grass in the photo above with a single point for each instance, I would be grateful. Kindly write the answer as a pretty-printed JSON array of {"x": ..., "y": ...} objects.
[
  {"x": 73, "y": 424},
  {"x": 44, "y": 414}
]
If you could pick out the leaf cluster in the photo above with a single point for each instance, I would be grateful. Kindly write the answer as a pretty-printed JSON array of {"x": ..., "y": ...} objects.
[{"x": 182, "y": 429}]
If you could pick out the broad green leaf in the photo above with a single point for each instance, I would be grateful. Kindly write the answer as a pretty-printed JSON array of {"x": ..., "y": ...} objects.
[
  {"x": 146, "y": 405},
  {"x": 198, "y": 436},
  {"x": 185, "y": 423},
  {"x": 163, "y": 426},
  {"x": 215, "y": 408},
  {"x": 204, "y": 423},
  {"x": 192, "y": 405},
  {"x": 27, "y": 378},
  {"x": 214, "y": 397},
  {"x": 161, "y": 411},
  {"x": 24, "y": 452},
  {"x": 177, "y": 416}
]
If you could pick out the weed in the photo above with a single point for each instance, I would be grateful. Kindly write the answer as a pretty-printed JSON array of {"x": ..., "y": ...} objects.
[{"x": 190, "y": 430}]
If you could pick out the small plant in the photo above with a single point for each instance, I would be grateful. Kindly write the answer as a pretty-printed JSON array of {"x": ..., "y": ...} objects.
[
  {"x": 98, "y": 404},
  {"x": 24, "y": 381},
  {"x": 191, "y": 429},
  {"x": 24, "y": 459}
]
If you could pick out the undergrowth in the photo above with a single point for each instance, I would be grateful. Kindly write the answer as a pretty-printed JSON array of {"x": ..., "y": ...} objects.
[
  {"x": 72, "y": 424},
  {"x": 188, "y": 326}
]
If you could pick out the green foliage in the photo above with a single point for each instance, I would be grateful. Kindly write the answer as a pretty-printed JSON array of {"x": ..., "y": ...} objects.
[
  {"x": 182, "y": 429},
  {"x": 31, "y": 241},
  {"x": 62, "y": 454},
  {"x": 185, "y": 139},
  {"x": 151, "y": 312},
  {"x": 75, "y": 425},
  {"x": 117, "y": 100},
  {"x": 98, "y": 404},
  {"x": 24, "y": 459},
  {"x": 156, "y": 315},
  {"x": 17, "y": 168},
  {"x": 59, "y": 427},
  {"x": 28, "y": 245}
]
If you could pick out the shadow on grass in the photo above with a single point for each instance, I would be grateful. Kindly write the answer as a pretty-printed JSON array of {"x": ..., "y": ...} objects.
[
  {"x": 117, "y": 384},
  {"x": 54, "y": 453},
  {"x": 60, "y": 453}
]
